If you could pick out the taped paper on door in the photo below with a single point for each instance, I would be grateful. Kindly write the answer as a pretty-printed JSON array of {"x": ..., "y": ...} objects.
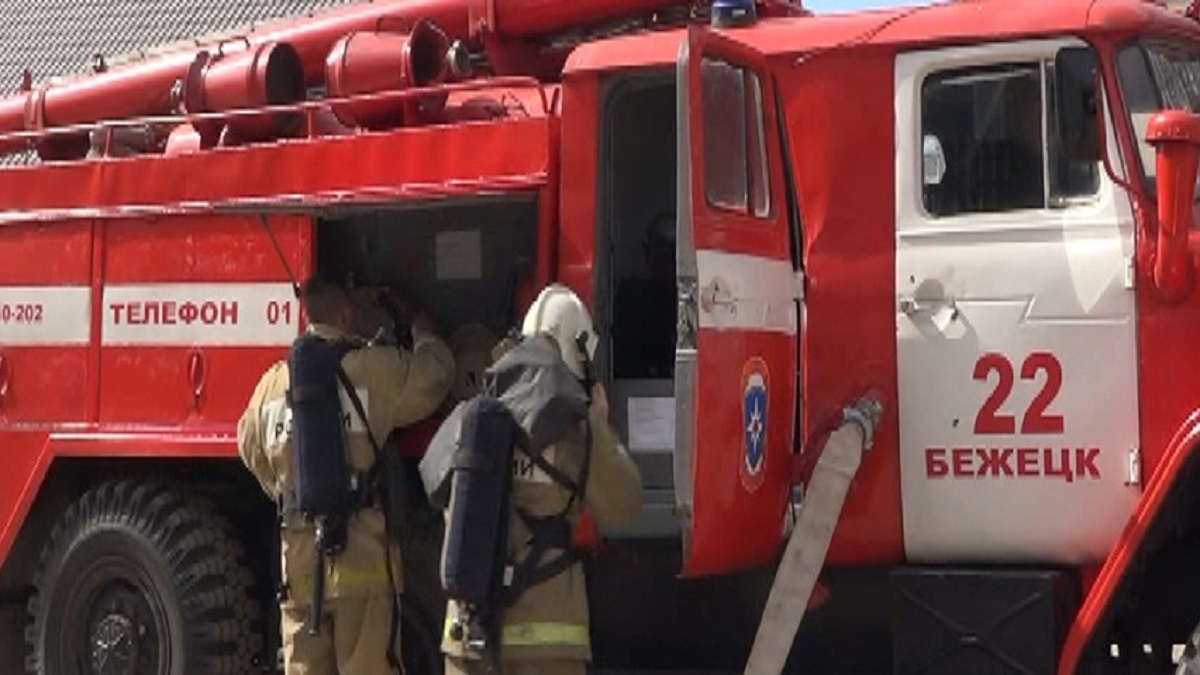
[
  {"x": 459, "y": 255},
  {"x": 652, "y": 424}
]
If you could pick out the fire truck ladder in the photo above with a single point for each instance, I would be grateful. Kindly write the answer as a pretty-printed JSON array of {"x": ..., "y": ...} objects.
[{"x": 809, "y": 542}]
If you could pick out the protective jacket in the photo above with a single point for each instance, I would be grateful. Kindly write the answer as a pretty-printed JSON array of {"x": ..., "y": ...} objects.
[
  {"x": 550, "y": 620},
  {"x": 397, "y": 388}
]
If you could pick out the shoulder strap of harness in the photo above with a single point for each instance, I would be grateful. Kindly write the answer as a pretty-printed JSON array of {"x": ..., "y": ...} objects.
[
  {"x": 358, "y": 408},
  {"x": 378, "y": 474},
  {"x": 577, "y": 488},
  {"x": 550, "y": 532}
]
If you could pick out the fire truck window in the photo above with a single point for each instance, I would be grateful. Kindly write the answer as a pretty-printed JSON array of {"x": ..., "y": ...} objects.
[
  {"x": 991, "y": 126},
  {"x": 1069, "y": 177},
  {"x": 735, "y": 166},
  {"x": 758, "y": 151},
  {"x": 1157, "y": 75}
]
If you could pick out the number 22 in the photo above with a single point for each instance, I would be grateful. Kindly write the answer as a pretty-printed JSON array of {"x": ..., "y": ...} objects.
[{"x": 1035, "y": 421}]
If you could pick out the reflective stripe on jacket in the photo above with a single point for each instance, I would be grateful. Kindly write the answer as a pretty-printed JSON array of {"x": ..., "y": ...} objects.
[
  {"x": 539, "y": 634},
  {"x": 550, "y": 620}
]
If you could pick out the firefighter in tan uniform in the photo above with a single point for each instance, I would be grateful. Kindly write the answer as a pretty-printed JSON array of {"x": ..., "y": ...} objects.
[
  {"x": 397, "y": 388},
  {"x": 547, "y": 630}
]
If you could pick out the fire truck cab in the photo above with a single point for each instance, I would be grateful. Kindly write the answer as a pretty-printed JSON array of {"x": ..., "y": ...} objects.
[{"x": 976, "y": 214}]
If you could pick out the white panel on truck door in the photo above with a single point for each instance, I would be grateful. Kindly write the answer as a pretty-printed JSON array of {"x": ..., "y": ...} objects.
[{"x": 1015, "y": 321}]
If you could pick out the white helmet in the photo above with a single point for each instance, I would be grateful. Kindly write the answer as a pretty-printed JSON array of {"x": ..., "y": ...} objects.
[{"x": 559, "y": 313}]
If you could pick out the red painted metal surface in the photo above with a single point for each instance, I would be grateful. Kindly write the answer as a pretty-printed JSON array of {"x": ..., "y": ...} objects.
[
  {"x": 110, "y": 395},
  {"x": 736, "y": 524},
  {"x": 44, "y": 384},
  {"x": 144, "y": 88},
  {"x": 454, "y": 160},
  {"x": 29, "y": 454},
  {"x": 173, "y": 381},
  {"x": 26, "y": 459},
  {"x": 849, "y": 334},
  {"x": 1176, "y": 137},
  {"x": 1097, "y": 603},
  {"x": 364, "y": 62},
  {"x": 734, "y": 528},
  {"x": 269, "y": 74},
  {"x": 531, "y": 17},
  {"x": 577, "y": 215},
  {"x": 1170, "y": 414},
  {"x": 117, "y": 393}
]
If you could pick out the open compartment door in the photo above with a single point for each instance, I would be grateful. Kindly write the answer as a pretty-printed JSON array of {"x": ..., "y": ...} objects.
[{"x": 736, "y": 352}]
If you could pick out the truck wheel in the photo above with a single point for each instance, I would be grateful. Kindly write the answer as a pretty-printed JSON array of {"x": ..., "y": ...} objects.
[
  {"x": 12, "y": 628},
  {"x": 138, "y": 579},
  {"x": 1189, "y": 663}
]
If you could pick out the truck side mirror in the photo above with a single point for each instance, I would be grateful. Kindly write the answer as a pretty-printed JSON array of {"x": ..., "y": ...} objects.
[
  {"x": 1076, "y": 78},
  {"x": 1175, "y": 135}
]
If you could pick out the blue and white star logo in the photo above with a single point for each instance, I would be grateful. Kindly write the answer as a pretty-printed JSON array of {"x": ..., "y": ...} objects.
[
  {"x": 756, "y": 431},
  {"x": 755, "y": 418}
]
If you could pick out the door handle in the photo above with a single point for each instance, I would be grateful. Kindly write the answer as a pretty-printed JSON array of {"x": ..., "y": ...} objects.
[
  {"x": 912, "y": 306},
  {"x": 5, "y": 373},
  {"x": 196, "y": 377},
  {"x": 716, "y": 295}
]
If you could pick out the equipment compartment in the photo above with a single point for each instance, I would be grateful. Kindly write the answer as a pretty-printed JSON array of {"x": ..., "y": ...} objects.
[{"x": 462, "y": 260}]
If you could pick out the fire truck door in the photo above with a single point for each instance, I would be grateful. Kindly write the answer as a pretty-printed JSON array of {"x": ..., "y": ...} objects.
[
  {"x": 45, "y": 323},
  {"x": 736, "y": 346},
  {"x": 1015, "y": 312}
]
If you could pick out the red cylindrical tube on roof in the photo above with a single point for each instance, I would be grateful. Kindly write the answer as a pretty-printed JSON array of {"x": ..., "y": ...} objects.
[
  {"x": 144, "y": 88},
  {"x": 372, "y": 62},
  {"x": 267, "y": 75},
  {"x": 531, "y": 17}
]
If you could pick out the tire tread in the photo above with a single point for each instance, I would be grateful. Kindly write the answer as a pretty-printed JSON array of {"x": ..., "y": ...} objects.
[{"x": 212, "y": 582}]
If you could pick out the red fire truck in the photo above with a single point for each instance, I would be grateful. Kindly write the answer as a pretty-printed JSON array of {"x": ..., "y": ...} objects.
[{"x": 953, "y": 212}]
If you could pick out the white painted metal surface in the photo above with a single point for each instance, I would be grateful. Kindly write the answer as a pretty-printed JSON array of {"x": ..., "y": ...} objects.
[
  {"x": 1001, "y": 458},
  {"x": 745, "y": 292},
  {"x": 32, "y": 316},
  {"x": 216, "y": 314}
]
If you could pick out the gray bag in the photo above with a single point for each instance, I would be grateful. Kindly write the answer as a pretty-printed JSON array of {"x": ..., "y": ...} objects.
[{"x": 539, "y": 390}]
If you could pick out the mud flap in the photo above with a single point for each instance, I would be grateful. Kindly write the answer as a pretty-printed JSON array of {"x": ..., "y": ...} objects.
[{"x": 809, "y": 543}]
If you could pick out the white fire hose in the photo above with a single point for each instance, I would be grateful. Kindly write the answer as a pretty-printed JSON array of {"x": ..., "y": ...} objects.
[{"x": 809, "y": 543}]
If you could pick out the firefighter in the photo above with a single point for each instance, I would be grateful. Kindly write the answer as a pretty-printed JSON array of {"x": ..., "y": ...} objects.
[
  {"x": 401, "y": 387},
  {"x": 546, "y": 630}
]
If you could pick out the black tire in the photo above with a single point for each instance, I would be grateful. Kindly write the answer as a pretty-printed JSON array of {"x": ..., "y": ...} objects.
[
  {"x": 157, "y": 575},
  {"x": 1189, "y": 663},
  {"x": 12, "y": 628}
]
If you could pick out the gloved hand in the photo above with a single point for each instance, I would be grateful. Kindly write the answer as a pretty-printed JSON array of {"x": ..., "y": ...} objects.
[
  {"x": 599, "y": 401},
  {"x": 422, "y": 324},
  {"x": 411, "y": 321}
]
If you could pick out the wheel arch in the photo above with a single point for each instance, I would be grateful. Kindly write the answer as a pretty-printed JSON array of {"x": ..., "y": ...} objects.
[
  {"x": 223, "y": 479},
  {"x": 1169, "y": 508},
  {"x": 157, "y": 557}
]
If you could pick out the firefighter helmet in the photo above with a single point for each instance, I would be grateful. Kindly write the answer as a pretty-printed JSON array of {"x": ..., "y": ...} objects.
[{"x": 559, "y": 313}]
